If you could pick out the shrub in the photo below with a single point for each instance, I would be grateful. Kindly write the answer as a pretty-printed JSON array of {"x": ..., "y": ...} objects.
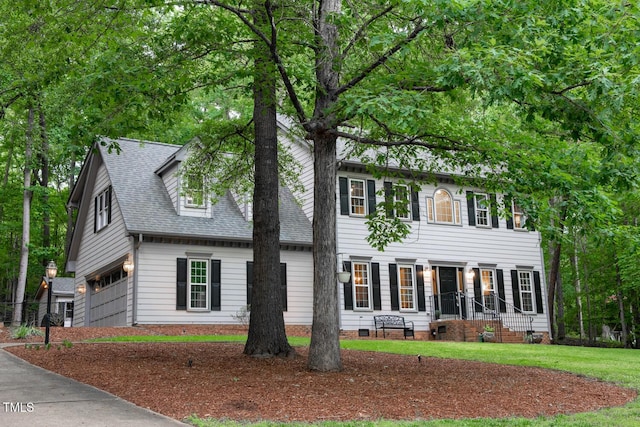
[{"x": 24, "y": 331}]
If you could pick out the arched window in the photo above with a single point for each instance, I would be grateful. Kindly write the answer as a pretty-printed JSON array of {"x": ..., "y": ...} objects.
[{"x": 443, "y": 208}]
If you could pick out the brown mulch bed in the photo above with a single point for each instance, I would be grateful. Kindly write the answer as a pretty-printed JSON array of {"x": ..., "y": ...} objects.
[{"x": 221, "y": 382}]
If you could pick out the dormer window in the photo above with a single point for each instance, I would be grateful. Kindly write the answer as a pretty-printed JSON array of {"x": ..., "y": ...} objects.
[{"x": 194, "y": 194}]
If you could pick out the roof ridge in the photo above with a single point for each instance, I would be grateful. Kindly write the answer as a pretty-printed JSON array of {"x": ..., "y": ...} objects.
[{"x": 144, "y": 141}]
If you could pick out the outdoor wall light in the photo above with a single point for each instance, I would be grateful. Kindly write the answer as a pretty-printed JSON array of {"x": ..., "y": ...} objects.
[
  {"x": 128, "y": 265},
  {"x": 82, "y": 288}
]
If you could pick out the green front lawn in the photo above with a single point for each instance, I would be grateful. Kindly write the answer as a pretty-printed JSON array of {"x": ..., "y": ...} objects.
[{"x": 620, "y": 366}]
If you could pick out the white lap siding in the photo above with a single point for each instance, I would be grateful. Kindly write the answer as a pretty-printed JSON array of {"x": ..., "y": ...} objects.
[
  {"x": 99, "y": 249},
  {"x": 157, "y": 276}
]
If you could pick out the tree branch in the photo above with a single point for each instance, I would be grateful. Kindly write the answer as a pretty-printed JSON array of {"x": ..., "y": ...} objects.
[
  {"x": 358, "y": 34},
  {"x": 381, "y": 60},
  {"x": 418, "y": 140}
]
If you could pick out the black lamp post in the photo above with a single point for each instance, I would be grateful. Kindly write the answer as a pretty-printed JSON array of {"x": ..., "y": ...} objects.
[{"x": 51, "y": 271}]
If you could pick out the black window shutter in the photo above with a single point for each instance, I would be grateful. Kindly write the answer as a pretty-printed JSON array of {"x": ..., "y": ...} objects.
[
  {"x": 393, "y": 287},
  {"x": 471, "y": 209},
  {"x": 388, "y": 198},
  {"x": 283, "y": 285},
  {"x": 509, "y": 208},
  {"x": 109, "y": 191},
  {"x": 215, "y": 285},
  {"x": 538, "y": 288},
  {"x": 348, "y": 288},
  {"x": 515, "y": 285},
  {"x": 375, "y": 281},
  {"x": 95, "y": 214},
  {"x": 422, "y": 306},
  {"x": 477, "y": 290},
  {"x": 415, "y": 206},
  {"x": 344, "y": 195},
  {"x": 249, "y": 281},
  {"x": 371, "y": 196},
  {"x": 494, "y": 212},
  {"x": 501, "y": 294},
  {"x": 181, "y": 284}
]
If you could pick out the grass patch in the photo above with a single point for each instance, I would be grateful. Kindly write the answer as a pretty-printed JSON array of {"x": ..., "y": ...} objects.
[{"x": 620, "y": 366}]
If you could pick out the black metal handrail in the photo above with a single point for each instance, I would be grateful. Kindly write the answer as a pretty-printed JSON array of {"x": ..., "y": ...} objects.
[{"x": 488, "y": 312}]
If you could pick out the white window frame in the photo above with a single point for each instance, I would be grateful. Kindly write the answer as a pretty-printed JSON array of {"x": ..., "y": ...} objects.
[
  {"x": 488, "y": 283},
  {"x": 482, "y": 208},
  {"x": 102, "y": 209},
  {"x": 190, "y": 193},
  {"x": 353, "y": 207},
  {"x": 191, "y": 284},
  {"x": 525, "y": 287},
  {"x": 398, "y": 200},
  {"x": 407, "y": 287},
  {"x": 361, "y": 285},
  {"x": 518, "y": 216},
  {"x": 453, "y": 214}
]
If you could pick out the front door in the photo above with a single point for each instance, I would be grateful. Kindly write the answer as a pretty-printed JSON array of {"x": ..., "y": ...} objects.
[{"x": 448, "y": 283}]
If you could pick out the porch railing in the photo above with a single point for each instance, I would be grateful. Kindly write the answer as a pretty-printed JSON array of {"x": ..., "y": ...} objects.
[{"x": 488, "y": 310}]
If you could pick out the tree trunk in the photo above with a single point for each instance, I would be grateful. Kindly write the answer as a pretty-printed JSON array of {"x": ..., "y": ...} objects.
[
  {"x": 267, "y": 336},
  {"x": 70, "y": 224},
  {"x": 578, "y": 287},
  {"x": 562, "y": 332},
  {"x": 44, "y": 183},
  {"x": 324, "y": 349},
  {"x": 26, "y": 223},
  {"x": 620, "y": 296},
  {"x": 551, "y": 295}
]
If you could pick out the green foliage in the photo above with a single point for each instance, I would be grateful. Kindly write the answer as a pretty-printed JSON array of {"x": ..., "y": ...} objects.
[{"x": 25, "y": 331}]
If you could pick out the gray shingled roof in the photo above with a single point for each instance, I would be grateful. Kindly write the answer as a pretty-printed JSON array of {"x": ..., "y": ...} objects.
[
  {"x": 147, "y": 208},
  {"x": 62, "y": 286}
]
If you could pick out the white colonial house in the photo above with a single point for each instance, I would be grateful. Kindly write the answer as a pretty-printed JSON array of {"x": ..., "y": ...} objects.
[{"x": 460, "y": 268}]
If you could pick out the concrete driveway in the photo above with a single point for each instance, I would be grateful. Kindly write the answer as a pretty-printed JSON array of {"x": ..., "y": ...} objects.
[{"x": 32, "y": 396}]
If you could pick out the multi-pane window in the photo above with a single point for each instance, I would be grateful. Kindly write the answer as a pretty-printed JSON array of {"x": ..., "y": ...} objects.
[
  {"x": 442, "y": 208},
  {"x": 103, "y": 207},
  {"x": 194, "y": 191},
  {"x": 526, "y": 290},
  {"x": 406, "y": 287},
  {"x": 482, "y": 205},
  {"x": 487, "y": 279},
  {"x": 401, "y": 201},
  {"x": 519, "y": 218},
  {"x": 357, "y": 197},
  {"x": 198, "y": 283},
  {"x": 361, "y": 286}
]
